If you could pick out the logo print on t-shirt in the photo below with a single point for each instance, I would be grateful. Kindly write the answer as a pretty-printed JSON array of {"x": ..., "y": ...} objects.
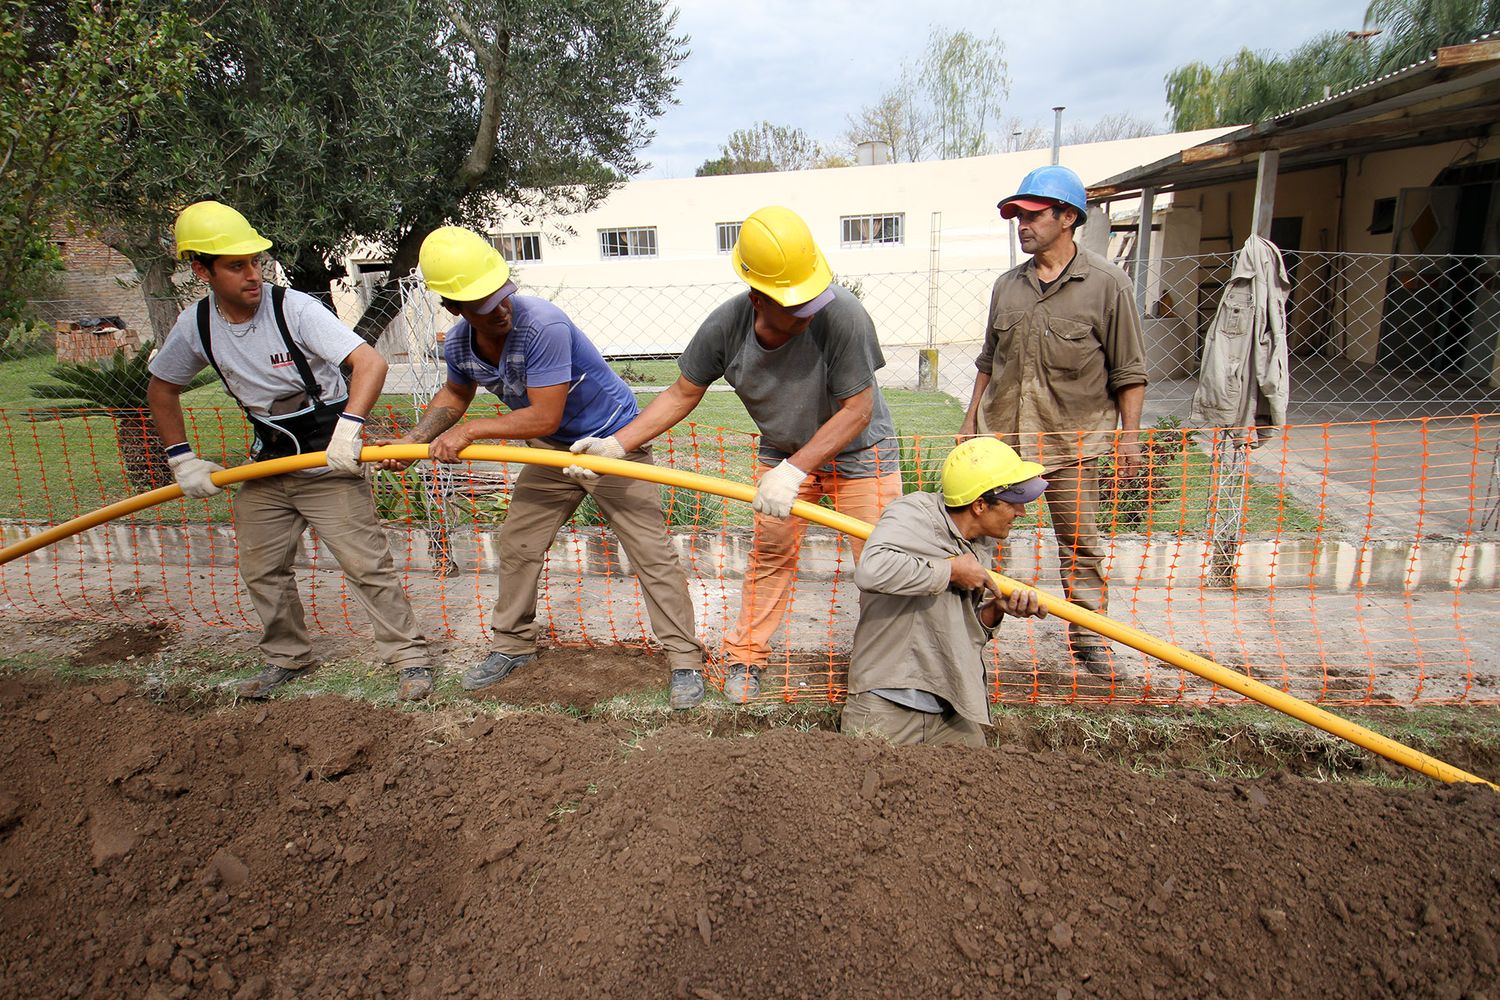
[{"x": 281, "y": 359}]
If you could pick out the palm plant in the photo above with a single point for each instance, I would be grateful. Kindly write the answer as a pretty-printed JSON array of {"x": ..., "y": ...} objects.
[{"x": 117, "y": 385}]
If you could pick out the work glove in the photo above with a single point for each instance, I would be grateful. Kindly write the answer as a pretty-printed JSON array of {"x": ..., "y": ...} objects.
[
  {"x": 192, "y": 474},
  {"x": 345, "y": 445},
  {"x": 778, "y": 490},
  {"x": 609, "y": 447}
]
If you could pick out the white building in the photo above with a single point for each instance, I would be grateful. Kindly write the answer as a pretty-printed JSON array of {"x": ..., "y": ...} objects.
[{"x": 920, "y": 242}]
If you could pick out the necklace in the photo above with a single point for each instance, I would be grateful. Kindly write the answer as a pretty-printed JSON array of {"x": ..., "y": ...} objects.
[{"x": 238, "y": 333}]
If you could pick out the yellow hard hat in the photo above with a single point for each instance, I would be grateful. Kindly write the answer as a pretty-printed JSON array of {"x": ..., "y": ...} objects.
[
  {"x": 979, "y": 465},
  {"x": 461, "y": 265},
  {"x": 776, "y": 255},
  {"x": 214, "y": 228}
]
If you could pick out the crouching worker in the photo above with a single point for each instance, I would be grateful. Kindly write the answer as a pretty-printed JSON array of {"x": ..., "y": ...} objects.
[
  {"x": 278, "y": 353},
  {"x": 558, "y": 389},
  {"x": 916, "y": 674}
]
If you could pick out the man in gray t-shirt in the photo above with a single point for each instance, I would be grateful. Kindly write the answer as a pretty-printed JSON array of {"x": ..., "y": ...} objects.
[{"x": 801, "y": 353}]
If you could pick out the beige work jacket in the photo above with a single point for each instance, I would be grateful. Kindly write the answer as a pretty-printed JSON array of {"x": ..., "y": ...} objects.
[
  {"x": 1056, "y": 359},
  {"x": 915, "y": 631}
]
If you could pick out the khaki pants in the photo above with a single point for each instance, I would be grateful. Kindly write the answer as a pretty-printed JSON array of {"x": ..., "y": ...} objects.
[
  {"x": 867, "y": 713},
  {"x": 1073, "y": 501},
  {"x": 542, "y": 502},
  {"x": 269, "y": 518},
  {"x": 773, "y": 556}
]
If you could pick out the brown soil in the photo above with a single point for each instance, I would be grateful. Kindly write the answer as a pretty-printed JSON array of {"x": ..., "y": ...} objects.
[{"x": 327, "y": 848}]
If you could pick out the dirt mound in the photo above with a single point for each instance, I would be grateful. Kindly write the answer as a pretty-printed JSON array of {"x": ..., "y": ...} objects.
[{"x": 324, "y": 848}]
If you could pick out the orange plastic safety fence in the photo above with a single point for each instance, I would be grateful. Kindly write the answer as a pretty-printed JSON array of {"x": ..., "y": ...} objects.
[{"x": 1347, "y": 563}]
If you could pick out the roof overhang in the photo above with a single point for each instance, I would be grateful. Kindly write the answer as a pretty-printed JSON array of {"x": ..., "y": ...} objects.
[{"x": 1454, "y": 94}]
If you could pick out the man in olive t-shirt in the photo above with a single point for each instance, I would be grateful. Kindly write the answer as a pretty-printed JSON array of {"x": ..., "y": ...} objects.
[{"x": 801, "y": 354}]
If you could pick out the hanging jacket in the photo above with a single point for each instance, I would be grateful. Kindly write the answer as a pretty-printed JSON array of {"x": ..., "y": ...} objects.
[{"x": 1243, "y": 378}]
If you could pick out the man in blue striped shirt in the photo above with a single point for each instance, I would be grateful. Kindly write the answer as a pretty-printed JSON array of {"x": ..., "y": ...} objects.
[{"x": 558, "y": 389}]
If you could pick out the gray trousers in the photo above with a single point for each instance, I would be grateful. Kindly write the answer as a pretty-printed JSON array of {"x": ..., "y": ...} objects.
[
  {"x": 541, "y": 503},
  {"x": 269, "y": 518},
  {"x": 867, "y": 713}
]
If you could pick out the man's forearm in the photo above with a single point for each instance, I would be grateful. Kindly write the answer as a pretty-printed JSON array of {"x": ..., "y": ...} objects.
[
  {"x": 971, "y": 415},
  {"x": 166, "y": 411},
  {"x": 1130, "y": 400},
  {"x": 661, "y": 414},
  {"x": 437, "y": 419}
]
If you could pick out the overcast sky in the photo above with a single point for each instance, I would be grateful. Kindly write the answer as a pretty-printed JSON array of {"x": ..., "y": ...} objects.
[{"x": 808, "y": 63}]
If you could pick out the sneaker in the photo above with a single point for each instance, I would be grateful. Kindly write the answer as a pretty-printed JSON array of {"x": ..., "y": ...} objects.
[
  {"x": 743, "y": 683},
  {"x": 492, "y": 668},
  {"x": 1094, "y": 659},
  {"x": 687, "y": 689},
  {"x": 268, "y": 680},
  {"x": 413, "y": 683}
]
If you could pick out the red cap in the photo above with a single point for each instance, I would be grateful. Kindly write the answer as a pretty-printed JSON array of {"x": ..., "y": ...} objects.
[{"x": 1011, "y": 207}]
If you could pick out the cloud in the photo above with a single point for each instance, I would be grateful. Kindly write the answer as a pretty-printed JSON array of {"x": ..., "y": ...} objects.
[{"x": 810, "y": 65}]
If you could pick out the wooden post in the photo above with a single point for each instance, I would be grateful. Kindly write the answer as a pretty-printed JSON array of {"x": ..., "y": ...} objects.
[
  {"x": 1143, "y": 247},
  {"x": 1265, "y": 192}
]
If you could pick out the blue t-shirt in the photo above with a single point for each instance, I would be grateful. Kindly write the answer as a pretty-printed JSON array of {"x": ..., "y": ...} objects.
[{"x": 545, "y": 347}]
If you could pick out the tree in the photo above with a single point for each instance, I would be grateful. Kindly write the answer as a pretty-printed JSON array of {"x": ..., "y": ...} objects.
[
  {"x": 900, "y": 118},
  {"x": 1412, "y": 29},
  {"x": 1018, "y": 136},
  {"x": 763, "y": 148},
  {"x": 966, "y": 80},
  {"x": 70, "y": 73},
  {"x": 376, "y": 121},
  {"x": 1251, "y": 86},
  {"x": 1108, "y": 128}
]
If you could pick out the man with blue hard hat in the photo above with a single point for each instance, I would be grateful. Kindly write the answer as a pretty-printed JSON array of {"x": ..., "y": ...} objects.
[{"x": 1062, "y": 369}]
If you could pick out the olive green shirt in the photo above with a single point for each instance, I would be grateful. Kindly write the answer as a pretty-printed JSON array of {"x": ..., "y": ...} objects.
[{"x": 1057, "y": 358}]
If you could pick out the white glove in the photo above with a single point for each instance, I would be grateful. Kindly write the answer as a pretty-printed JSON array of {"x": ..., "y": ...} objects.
[
  {"x": 345, "y": 445},
  {"x": 778, "y": 490},
  {"x": 609, "y": 447},
  {"x": 192, "y": 474}
]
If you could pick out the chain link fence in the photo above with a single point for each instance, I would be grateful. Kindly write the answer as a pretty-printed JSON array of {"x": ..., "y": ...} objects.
[{"x": 1371, "y": 336}]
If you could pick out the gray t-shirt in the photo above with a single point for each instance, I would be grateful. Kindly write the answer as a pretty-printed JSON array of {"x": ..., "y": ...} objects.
[
  {"x": 253, "y": 357},
  {"x": 792, "y": 391}
]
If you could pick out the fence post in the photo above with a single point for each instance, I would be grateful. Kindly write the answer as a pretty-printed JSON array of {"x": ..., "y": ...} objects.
[{"x": 927, "y": 359}]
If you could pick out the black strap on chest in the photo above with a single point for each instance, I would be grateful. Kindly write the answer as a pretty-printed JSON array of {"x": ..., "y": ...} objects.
[{"x": 278, "y": 306}]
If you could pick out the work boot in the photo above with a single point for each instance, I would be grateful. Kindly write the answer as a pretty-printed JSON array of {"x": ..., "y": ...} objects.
[
  {"x": 413, "y": 683},
  {"x": 1094, "y": 659},
  {"x": 268, "y": 680},
  {"x": 492, "y": 668},
  {"x": 687, "y": 689},
  {"x": 743, "y": 683}
]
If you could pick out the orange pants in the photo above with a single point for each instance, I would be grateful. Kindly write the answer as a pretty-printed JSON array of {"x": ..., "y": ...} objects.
[{"x": 773, "y": 556}]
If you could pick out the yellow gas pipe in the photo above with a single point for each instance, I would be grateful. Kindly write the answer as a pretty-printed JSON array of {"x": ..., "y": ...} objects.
[{"x": 1108, "y": 627}]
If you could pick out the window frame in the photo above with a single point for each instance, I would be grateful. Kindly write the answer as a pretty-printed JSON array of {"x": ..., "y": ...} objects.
[
  {"x": 522, "y": 238},
  {"x": 628, "y": 243},
  {"x": 869, "y": 222}
]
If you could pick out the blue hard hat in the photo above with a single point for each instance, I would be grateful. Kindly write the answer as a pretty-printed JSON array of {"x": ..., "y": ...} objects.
[{"x": 1046, "y": 186}]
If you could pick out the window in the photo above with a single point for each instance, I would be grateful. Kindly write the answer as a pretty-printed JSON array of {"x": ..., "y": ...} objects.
[
  {"x": 729, "y": 234},
  {"x": 518, "y": 246},
  {"x": 872, "y": 230},
  {"x": 638, "y": 242}
]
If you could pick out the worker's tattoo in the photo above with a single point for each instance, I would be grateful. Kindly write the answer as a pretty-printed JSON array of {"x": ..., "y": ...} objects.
[{"x": 436, "y": 420}]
